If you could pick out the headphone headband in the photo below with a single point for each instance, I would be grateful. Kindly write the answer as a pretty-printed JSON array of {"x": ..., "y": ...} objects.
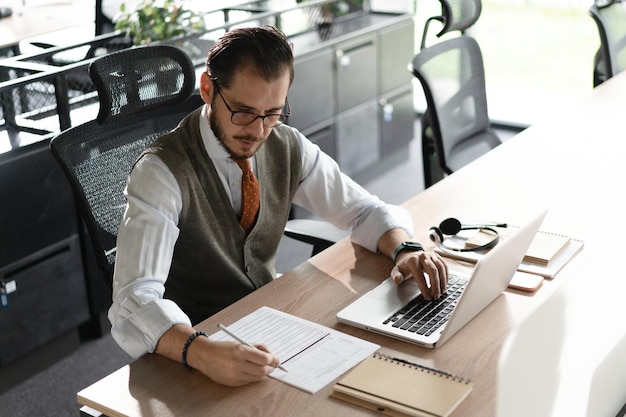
[{"x": 452, "y": 226}]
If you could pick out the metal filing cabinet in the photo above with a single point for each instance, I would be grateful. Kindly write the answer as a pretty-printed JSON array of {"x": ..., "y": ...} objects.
[
  {"x": 40, "y": 259},
  {"x": 352, "y": 93}
]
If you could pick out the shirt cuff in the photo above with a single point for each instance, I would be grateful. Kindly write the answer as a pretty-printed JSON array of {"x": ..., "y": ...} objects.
[
  {"x": 378, "y": 222},
  {"x": 137, "y": 335}
]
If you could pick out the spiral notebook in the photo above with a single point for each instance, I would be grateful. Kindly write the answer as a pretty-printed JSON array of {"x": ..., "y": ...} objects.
[
  {"x": 543, "y": 249},
  {"x": 396, "y": 387}
]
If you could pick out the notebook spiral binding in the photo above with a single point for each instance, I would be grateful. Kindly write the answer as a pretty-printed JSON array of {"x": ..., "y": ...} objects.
[{"x": 427, "y": 369}]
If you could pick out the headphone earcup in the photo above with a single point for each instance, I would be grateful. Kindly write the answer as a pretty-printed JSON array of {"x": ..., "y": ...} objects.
[
  {"x": 451, "y": 226},
  {"x": 435, "y": 235}
]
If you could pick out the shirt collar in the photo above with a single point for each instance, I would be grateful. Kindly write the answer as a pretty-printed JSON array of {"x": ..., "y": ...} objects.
[{"x": 212, "y": 145}]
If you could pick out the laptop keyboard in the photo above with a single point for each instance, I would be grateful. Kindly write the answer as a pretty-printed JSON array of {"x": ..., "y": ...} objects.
[{"x": 425, "y": 317}]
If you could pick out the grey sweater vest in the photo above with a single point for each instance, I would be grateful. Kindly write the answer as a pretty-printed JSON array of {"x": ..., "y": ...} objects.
[{"x": 214, "y": 262}]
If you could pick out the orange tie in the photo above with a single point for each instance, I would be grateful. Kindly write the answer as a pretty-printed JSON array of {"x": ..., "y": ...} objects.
[{"x": 250, "y": 196}]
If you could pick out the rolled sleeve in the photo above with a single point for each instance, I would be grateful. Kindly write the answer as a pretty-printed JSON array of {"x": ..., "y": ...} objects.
[
  {"x": 379, "y": 221},
  {"x": 147, "y": 235},
  {"x": 133, "y": 332}
]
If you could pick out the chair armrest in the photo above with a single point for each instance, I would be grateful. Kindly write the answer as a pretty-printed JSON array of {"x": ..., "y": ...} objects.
[{"x": 318, "y": 233}]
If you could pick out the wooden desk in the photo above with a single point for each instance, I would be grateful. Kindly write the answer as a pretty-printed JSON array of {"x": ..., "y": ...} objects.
[
  {"x": 42, "y": 17},
  {"x": 568, "y": 163}
]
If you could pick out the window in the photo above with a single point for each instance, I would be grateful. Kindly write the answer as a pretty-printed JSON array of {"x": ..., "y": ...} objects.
[{"x": 538, "y": 54}]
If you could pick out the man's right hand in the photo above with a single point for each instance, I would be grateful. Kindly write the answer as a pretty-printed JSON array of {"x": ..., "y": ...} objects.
[
  {"x": 225, "y": 362},
  {"x": 232, "y": 363}
]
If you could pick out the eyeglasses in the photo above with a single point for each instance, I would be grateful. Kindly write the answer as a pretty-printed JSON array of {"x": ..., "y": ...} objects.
[{"x": 244, "y": 118}]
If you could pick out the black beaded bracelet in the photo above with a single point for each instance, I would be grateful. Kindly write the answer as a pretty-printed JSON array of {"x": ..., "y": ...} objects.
[{"x": 186, "y": 347}]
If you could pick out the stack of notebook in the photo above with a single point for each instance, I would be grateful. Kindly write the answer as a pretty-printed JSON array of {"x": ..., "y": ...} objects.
[
  {"x": 547, "y": 255},
  {"x": 396, "y": 387}
]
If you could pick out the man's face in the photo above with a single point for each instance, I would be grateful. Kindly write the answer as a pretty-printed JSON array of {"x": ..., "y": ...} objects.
[{"x": 248, "y": 93}]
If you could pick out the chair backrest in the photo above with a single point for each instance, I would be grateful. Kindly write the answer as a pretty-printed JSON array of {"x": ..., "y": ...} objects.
[
  {"x": 140, "y": 79},
  {"x": 610, "y": 18},
  {"x": 455, "y": 15},
  {"x": 144, "y": 92},
  {"x": 452, "y": 76}
]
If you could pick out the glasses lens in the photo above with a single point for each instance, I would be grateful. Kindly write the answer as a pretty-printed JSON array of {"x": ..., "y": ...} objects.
[
  {"x": 272, "y": 120},
  {"x": 243, "y": 118}
]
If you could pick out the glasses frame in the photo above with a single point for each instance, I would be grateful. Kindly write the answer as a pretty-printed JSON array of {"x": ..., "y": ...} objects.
[{"x": 233, "y": 113}]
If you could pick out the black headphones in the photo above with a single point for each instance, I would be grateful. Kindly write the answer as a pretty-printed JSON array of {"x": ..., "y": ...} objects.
[{"x": 452, "y": 226}]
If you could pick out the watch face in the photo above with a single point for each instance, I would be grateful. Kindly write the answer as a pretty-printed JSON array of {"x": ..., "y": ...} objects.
[
  {"x": 412, "y": 245},
  {"x": 409, "y": 246}
]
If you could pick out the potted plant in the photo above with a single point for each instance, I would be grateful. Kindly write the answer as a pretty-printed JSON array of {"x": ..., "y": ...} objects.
[
  {"x": 323, "y": 16},
  {"x": 338, "y": 8},
  {"x": 151, "y": 21}
]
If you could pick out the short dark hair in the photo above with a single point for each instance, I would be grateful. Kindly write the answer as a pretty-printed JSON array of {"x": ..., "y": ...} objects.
[{"x": 265, "y": 48}]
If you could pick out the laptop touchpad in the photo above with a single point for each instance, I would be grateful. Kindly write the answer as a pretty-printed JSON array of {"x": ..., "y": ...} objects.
[{"x": 391, "y": 293}]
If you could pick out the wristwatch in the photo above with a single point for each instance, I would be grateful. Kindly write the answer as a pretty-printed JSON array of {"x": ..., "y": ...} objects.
[{"x": 410, "y": 246}]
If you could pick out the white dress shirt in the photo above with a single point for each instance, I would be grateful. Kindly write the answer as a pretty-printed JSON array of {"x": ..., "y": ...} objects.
[{"x": 148, "y": 231}]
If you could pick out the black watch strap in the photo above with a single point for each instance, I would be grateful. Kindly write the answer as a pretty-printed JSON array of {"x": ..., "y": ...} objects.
[{"x": 410, "y": 246}]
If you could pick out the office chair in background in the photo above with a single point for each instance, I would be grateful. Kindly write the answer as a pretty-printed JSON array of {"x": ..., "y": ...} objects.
[
  {"x": 455, "y": 127},
  {"x": 610, "y": 18},
  {"x": 143, "y": 93}
]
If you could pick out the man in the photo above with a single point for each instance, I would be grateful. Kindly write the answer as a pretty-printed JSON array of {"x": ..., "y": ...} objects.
[{"x": 182, "y": 252}]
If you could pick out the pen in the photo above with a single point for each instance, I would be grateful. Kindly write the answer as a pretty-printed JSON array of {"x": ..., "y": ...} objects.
[{"x": 243, "y": 342}]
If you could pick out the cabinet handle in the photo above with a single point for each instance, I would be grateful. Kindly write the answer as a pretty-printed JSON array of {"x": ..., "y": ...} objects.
[
  {"x": 387, "y": 110},
  {"x": 342, "y": 58}
]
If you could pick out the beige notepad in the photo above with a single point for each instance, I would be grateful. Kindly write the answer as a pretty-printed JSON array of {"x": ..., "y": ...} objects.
[
  {"x": 395, "y": 387},
  {"x": 542, "y": 250}
]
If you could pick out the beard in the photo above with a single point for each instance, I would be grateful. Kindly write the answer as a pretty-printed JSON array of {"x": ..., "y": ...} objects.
[{"x": 223, "y": 140}]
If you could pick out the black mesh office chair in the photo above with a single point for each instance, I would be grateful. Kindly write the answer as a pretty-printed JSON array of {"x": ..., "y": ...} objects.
[
  {"x": 455, "y": 127},
  {"x": 610, "y": 18},
  {"x": 143, "y": 92}
]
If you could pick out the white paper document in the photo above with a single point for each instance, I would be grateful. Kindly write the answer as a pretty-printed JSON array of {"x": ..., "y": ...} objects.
[{"x": 314, "y": 355}]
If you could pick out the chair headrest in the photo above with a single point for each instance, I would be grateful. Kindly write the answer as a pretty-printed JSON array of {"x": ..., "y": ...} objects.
[
  {"x": 455, "y": 15},
  {"x": 141, "y": 78},
  {"x": 604, "y": 3},
  {"x": 459, "y": 14}
]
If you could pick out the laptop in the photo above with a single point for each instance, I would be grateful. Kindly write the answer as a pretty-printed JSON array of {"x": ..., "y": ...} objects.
[{"x": 387, "y": 307}]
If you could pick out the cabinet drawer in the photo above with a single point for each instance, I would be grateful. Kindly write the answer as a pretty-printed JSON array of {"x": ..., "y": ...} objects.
[
  {"x": 396, "y": 49},
  {"x": 356, "y": 65},
  {"x": 358, "y": 138},
  {"x": 324, "y": 137},
  {"x": 397, "y": 121},
  {"x": 311, "y": 95},
  {"x": 49, "y": 298},
  {"x": 37, "y": 206}
]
